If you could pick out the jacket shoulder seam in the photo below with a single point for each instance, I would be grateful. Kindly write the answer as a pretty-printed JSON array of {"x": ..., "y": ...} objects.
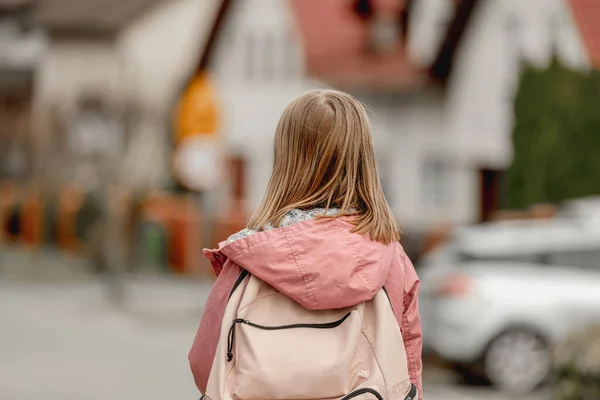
[{"x": 305, "y": 278}]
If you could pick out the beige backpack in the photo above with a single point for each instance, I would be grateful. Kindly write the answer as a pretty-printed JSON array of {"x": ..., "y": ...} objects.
[{"x": 272, "y": 348}]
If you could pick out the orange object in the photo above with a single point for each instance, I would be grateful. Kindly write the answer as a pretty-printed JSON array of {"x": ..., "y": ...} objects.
[
  {"x": 176, "y": 249},
  {"x": 197, "y": 114},
  {"x": 543, "y": 211},
  {"x": 436, "y": 237},
  {"x": 7, "y": 201},
  {"x": 508, "y": 215},
  {"x": 69, "y": 203},
  {"x": 185, "y": 236},
  {"x": 453, "y": 286},
  {"x": 236, "y": 218},
  {"x": 31, "y": 218},
  {"x": 181, "y": 220}
]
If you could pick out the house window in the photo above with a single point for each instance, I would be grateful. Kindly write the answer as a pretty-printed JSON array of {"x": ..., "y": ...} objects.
[
  {"x": 385, "y": 33},
  {"x": 435, "y": 181},
  {"x": 264, "y": 56},
  {"x": 250, "y": 61},
  {"x": 290, "y": 60},
  {"x": 268, "y": 60}
]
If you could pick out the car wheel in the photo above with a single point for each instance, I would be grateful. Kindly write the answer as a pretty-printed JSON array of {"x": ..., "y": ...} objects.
[{"x": 517, "y": 361}]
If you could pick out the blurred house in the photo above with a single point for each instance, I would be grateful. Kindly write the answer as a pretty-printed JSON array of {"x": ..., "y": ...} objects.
[
  {"x": 266, "y": 52},
  {"x": 362, "y": 47},
  {"x": 256, "y": 63},
  {"x": 475, "y": 49},
  {"x": 20, "y": 50},
  {"x": 115, "y": 67},
  {"x": 440, "y": 76}
]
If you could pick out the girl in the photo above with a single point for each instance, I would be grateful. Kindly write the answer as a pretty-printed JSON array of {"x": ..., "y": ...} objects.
[{"x": 324, "y": 234}]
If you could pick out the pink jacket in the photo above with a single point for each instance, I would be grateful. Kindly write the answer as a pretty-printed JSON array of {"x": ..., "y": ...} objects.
[{"x": 321, "y": 265}]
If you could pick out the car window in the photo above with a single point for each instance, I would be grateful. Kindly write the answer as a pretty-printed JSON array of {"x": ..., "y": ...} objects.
[
  {"x": 443, "y": 254},
  {"x": 524, "y": 258},
  {"x": 589, "y": 259}
]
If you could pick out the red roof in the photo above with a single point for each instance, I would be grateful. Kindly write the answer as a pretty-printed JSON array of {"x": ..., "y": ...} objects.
[
  {"x": 335, "y": 40},
  {"x": 587, "y": 17}
]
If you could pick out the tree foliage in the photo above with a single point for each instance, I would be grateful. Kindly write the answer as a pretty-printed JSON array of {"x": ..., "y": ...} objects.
[{"x": 556, "y": 137}]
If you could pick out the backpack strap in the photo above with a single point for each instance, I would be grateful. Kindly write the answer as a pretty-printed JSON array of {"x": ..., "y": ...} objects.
[
  {"x": 389, "y": 299},
  {"x": 243, "y": 275}
]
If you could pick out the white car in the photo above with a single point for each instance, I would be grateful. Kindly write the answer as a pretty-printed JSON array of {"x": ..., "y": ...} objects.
[{"x": 496, "y": 297}]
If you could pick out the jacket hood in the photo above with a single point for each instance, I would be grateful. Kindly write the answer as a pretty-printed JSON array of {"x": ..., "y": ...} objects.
[{"x": 320, "y": 264}]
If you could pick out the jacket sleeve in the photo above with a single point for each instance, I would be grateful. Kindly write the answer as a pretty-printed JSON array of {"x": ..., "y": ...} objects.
[
  {"x": 403, "y": 286},
  {"x": 411, "y": 324},
  {"x": 204, "y": 348}
]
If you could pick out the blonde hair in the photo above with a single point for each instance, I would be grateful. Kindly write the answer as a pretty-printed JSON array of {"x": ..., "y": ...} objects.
[{"x": 324, "y": 158}]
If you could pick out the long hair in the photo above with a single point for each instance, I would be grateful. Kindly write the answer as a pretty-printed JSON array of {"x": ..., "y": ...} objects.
[{"x": 324, "y": 158}]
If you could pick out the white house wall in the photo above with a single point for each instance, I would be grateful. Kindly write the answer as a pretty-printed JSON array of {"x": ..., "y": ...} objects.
[
  {"x": 159, "y": 50},
  {"x": 570, "y": 46},
  {"x": 258, "y": 70},
  {"x": 402, "y": 161},
  {"x": 480, "y": 91},
  {"x": 415, "y": 138},
  {"x": 428, "y": 23},
  {"x": 71, "y": 67},
  {"x": 486, "y": 71},
  {"x": 146, "y": 64}
]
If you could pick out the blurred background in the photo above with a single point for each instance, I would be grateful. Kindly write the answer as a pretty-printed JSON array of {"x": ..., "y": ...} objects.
[{"x": 135, "y": 133}]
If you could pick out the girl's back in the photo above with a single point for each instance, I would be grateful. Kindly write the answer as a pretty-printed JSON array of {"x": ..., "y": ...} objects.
[{"x": 324, "y": 235}]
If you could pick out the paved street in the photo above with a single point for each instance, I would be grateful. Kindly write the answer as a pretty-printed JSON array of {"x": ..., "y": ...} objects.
[{"x": 65, "y": 341}]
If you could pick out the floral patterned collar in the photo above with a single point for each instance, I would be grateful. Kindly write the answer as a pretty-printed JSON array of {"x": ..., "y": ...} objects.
[{"x": 292, "y": 217}]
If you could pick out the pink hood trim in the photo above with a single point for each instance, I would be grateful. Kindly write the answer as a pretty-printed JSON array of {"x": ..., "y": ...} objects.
[{"x": 319, "y": 264}]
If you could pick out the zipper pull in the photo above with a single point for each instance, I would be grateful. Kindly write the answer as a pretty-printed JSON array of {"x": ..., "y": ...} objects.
[{"x": 231, "y": 338}]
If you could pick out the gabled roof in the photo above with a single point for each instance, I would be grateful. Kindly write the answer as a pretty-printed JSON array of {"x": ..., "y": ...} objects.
[
  {"x": 335, "y": 40},
  {"x": 441, "y": 69},
  {"x": 587, "y": 17},
  {"x": 89, "y": 17},
  {"x": 213, "y": 34}
]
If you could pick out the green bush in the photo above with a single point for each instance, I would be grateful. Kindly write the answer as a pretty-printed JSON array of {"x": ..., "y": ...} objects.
[
  {"x": 555, "y": 137},
  {"x": 577, "y": 366}
]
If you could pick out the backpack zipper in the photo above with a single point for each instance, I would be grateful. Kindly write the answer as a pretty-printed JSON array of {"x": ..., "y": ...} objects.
[{"x": 231, "y": 335}]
